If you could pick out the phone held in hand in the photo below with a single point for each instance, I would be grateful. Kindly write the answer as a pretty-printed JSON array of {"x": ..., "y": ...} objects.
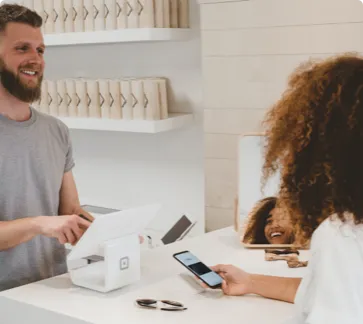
[{"x": 199, "y": 269}]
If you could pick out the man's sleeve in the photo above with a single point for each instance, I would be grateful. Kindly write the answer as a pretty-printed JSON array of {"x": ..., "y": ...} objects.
[{"x": 69, "y": 164}]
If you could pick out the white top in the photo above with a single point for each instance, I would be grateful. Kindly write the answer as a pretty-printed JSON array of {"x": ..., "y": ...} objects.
[{"x": 332, "y": 290}]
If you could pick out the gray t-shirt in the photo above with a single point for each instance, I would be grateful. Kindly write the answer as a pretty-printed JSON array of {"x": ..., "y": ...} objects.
[{"x": 34, "y": 155}]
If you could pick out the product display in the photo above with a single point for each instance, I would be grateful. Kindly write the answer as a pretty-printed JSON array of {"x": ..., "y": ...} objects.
[
  {"x": 72, "y": 97},
  {"x": 93, "y": 99},
  {"x": 99, "y": 14},
  {"x": 50, "y": 16},
  {"x": 66, "y": 16},
  {"x": 162, "y": 92},
  {"x": 111, "y": 7},
  {"x": 166, "y": 12},
  {"x": 127, "y": 99},
  {"x": 174, "y": 14},
  {"x": 78, "y": 15},
  {"x": 122, "y": 10},
  {"x": 139, "y": 100},
  {"x": 43, "y": 102},
  {"x": 59, "y": 16},
  {"x": 130, "y": 99},
  {"x": 115, "y": 99},
  {"x": 183, "y": 14},
  {"x": 88, "y": 15},
  {"x": 133, "y": 13},
  {"x": 159, "y": 13},
  {"x": 82, "y": 98},
  {"x": 52, "y": 96},
  {"x": 62, "y": 98},
  {"x": 152, "y": 105},
  {"x": 146, "y": 12},
  {"x": 104, "y": 98}
]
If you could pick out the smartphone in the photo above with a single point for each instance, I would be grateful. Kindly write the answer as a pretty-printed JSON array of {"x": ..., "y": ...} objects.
[
  {"x": 178, "y": 231},
  {"x": 198, "y": 268}
]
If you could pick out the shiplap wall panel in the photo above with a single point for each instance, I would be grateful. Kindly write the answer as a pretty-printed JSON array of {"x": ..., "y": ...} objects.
[
  {"x": 220, "y": 146},
  {"x": 314, "y": 39},
  {"x": 262, "y": 13}
]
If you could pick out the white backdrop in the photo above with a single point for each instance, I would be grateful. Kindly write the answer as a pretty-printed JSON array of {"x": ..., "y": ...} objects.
[{"x": 250, "y": 164}]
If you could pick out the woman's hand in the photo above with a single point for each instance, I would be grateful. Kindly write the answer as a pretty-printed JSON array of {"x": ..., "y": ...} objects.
[{"x": 236, "y": 282}]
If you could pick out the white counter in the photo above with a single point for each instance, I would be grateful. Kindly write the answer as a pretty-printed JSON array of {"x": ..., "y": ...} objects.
[{"x": 57, "y": 301}]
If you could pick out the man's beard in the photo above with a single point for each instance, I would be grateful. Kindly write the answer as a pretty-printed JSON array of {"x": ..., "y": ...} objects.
[{"x": 13, "y": 84}]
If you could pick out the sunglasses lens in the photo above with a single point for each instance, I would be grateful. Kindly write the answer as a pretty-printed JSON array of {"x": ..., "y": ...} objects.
[
  {"x": 172, "y": 303},
  {"x": 146, "y": 302},
  {"x": 173, "y": 309}
]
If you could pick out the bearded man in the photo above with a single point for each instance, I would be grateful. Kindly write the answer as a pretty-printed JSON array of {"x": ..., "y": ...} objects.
[{"x": 39, "y": 204}]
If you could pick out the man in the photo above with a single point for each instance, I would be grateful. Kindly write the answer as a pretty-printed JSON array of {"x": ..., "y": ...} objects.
[{"x": 35, "y": 162}]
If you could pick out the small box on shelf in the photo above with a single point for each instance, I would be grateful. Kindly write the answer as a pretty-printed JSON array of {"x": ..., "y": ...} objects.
[
  {"x": 132, "y": 98},
  {"x": 125, "y": 105}
]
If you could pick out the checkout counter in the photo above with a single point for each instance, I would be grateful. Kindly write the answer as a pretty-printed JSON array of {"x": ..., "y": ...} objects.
[{"x": 58, "y": 300}]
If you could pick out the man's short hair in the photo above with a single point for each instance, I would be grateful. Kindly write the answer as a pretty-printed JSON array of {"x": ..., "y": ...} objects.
[{"x": 19, "y": 14}]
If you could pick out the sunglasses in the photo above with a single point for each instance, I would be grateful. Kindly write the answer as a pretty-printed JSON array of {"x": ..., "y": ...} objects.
[{"x": 166, "y": 305}]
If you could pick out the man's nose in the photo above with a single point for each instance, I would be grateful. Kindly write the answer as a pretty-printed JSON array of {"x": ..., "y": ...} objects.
[{"x": 35, "y": 57}]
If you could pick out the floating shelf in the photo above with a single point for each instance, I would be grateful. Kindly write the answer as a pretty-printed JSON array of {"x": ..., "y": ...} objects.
[
  {"x": 174, "y": 121},
  {"x": 118, "y": 36}
]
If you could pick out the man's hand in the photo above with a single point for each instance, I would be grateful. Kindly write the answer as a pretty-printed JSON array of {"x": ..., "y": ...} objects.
[{"x": 67, "y": 229}]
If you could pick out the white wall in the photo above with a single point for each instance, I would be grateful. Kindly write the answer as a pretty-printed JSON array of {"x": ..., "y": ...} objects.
[
  {"x": 249, "y": 49},
  {"x": 127, "y": 169}
]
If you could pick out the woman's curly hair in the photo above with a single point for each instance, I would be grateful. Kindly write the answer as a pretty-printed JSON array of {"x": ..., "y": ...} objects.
[
  {"x": 315, "y": 133},
  {"x": 257, "y": 219}
]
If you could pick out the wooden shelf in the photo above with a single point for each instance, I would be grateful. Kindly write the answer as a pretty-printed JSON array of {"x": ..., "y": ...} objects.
[
  {"x": 174, "y": 121},
  {"x": 118, "y": 36}
]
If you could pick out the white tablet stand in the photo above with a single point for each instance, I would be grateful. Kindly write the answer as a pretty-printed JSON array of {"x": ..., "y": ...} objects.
[{"x": 115, "y": 237}]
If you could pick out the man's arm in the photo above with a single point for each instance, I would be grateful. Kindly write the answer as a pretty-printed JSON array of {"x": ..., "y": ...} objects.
[
  {"x": 13, "y": 233},
  {"x": 69, "y": 200},
  {"x": 65, "y": 228}
]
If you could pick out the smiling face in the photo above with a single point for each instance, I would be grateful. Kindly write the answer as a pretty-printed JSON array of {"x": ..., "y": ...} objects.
[
  {"x": 21, "y": 61},
  {"x": 278, "y": 228}
]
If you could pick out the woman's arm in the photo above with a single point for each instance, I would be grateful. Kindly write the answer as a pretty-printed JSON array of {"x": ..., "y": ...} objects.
[
  {"x": 279, "y": 288},
  {"x": 238, "y": 282}
]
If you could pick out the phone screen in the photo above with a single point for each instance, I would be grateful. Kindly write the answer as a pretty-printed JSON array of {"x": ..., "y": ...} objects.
[{"x": 191, "y": 262}]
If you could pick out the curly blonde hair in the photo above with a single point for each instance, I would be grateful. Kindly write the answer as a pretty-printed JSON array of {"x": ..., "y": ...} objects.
[{"x": 315, "y": 133}]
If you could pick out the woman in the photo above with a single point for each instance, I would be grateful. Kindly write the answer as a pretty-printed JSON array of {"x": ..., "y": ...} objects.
[
  {"x": 268, "y": 224},
  {"x": 315, "y": 133}
]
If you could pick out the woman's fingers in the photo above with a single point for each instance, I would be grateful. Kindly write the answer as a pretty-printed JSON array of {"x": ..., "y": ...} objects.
[{"x": 220, "y": 268}]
